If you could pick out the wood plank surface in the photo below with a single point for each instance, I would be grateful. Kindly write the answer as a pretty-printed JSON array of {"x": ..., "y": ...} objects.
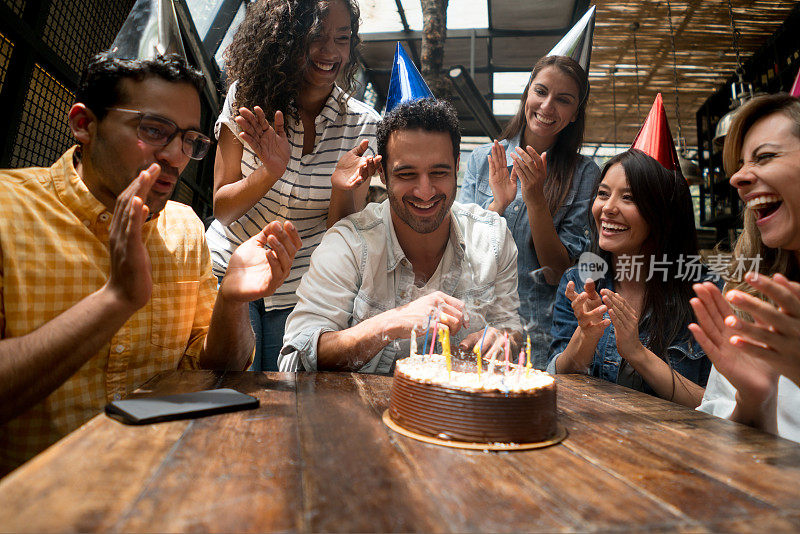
[
  {"x": 719, "y": 453},
  {"x": 235, "y": 472},
  {"x": 315, "y": 456},
  {"x": 354, "y": 480}
]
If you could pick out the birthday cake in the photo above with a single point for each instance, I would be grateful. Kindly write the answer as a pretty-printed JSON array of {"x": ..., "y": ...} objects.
[{"x": 510, "y": 404}]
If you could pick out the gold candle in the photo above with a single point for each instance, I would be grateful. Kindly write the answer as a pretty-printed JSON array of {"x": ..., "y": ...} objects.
[
  {"x": 528, "y": 354},
  {"x": 477, "y": 350},
  {"x": 444, "y": 339}
]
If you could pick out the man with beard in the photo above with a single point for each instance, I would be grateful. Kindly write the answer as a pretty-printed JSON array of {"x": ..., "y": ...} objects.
[
  {"x": 381, "y": 272},
  {"x": 104, "y": 282}
]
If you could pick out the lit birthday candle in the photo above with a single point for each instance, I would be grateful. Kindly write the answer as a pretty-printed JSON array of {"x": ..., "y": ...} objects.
[
  {"x": 435, "y": 331},
  {"x": 477, "y": 350},
  {"x": 528, "y": 353},
  {"x": 427, "y": 331},
  {"x": 492, "y": 359},
  {"x": 507, "y": 350},
  {"x": 413, "y": 342},
  {"x": 444, "y": 339}
]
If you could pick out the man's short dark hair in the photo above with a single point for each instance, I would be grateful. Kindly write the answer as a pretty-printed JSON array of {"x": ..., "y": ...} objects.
[
  {"x": 426, "y": 114},
  {"x": 100, "y": 86}
]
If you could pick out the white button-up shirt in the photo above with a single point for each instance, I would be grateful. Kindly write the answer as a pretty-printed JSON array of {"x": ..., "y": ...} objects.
[{"x": 359, "y": 270}]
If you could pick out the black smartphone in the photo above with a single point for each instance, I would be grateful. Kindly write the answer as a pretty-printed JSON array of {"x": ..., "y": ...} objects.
[{"x": 145, "y": 410}]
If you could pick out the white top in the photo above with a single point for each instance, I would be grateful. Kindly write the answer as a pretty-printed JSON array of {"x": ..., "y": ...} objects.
[
  {"x": 359, "y": 271},
  {"x": 302, "y": 195},
  {"x": 720, "y": 400}
]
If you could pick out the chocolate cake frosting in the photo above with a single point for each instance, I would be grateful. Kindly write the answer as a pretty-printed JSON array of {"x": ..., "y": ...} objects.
[{"x": 503, "y": 407}]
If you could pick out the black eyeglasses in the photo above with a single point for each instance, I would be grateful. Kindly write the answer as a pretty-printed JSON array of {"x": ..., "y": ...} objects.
[{"x": 160, "y": 131}]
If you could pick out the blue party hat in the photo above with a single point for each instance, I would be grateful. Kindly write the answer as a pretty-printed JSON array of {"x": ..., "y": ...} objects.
[
  {"x": 406, "y": 83},
  {"x": 577, "y": 43}
]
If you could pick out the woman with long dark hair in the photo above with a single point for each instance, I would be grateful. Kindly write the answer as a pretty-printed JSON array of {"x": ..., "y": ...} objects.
[
  {"x": 285, "y": 125},
  {"x": 630, "y": 325},
  {"x": 752, "y": 332},
  {"x": 545, "y": 197}
]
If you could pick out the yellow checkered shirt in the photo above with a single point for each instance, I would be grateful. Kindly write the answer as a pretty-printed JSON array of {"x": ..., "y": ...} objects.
[{"x": 53, "y": 253}]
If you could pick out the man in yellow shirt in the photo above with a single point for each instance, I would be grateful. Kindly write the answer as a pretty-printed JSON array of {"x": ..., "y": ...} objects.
[{"x": 104, "y": 281}]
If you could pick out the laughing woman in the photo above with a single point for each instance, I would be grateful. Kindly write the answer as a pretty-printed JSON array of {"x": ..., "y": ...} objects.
[
  {"x": 284, "y": 126},
  {"x": 545, "y": 199},
  {"x": 631, "y": 327},
  {"x": 752, "y": 334}
]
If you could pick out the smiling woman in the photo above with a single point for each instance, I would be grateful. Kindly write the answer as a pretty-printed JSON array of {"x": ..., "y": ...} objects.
[
  {"x": 751, "y": 333},
  {"x": 534, "y": 177},
  {"x": 284, "y": 128},
  {"x": 630, "y": 325}
]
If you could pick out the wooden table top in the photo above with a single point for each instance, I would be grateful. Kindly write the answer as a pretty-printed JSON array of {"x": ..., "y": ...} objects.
[{"x": 316, "y": 457}]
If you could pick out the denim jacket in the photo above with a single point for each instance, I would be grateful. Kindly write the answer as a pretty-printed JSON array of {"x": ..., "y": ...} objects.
[
  {"x": 685, "y": 354},
  {"x": 572, "y": 225},
  {"x": 359, "y": 270}
]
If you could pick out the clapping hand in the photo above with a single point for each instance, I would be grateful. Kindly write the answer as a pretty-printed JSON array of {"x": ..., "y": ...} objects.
[
  {"x": 532, "y": 171},
  {"x": 626, "y": 323},
  {"x": 354, "y": 168},
  {"x": 588, "y": 308},
  {"x": 271, "y": 145},
  {"x": 260, "y": 265},
  {"x": 503, "y": 185},
  {"x": 774, "y": 334},
  {"x": 130, "y": 276},
  {"x": 754, "y": 379}
]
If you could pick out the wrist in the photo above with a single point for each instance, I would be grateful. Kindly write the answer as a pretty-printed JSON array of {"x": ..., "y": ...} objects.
[
  {"x": 759, "y": 411},
  {"x": 385, "y": 326},
  {"x": 117, "y": 303},
  {"x": 497, "y": 206},
  {"x": 339, "y": 190},
  {"x": 226, "y": 296},
  {"x": 577, "y": 357},
  {"x": 634, "y": 352},
  {"x": 535, "y": 201},
  {"x": 758, "y": 397},
  {"x": 591, "y": 335},
  {"x": 570, "y": 363},
  {"x": 262, "y": 175}
]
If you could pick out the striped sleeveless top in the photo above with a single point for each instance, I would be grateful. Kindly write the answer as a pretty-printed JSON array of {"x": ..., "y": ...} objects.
[{"x": 303, "y": 193}]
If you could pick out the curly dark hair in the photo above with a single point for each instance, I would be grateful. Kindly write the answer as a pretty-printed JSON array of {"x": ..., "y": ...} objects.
[
  {"x": 271, "y": 43},
  {"x": 100, "y": 87},
  {"x": 426, "y": 114}
]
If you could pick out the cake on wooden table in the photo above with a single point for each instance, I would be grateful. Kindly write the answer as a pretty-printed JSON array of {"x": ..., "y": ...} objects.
[{"x": 449, "y": 399}]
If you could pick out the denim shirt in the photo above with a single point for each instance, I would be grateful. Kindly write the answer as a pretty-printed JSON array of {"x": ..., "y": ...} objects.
[
  {"x": 571, "y": 222},
  {"x": 359, "y": 270},
  {"x": 685, "y": 354}
]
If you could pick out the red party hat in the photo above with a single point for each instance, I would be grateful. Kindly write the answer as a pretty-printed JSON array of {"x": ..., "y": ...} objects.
[
  {"x": 655, "y": 139},
  {"x": 796, "y": 85}
]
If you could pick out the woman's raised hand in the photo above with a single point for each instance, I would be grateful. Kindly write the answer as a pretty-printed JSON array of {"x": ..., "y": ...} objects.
[
  {"x": 774, "y": 334},
  {"x": 504, "y": 187},
  {"x": 353, "y": 168},
  {"x": 626, "y": 324},
  {"x": 271, "y": 145},
  {"x": 588, "y": 309},
  {"x": 532, "y": 171},
  {"x": 754, "y": 379}
]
